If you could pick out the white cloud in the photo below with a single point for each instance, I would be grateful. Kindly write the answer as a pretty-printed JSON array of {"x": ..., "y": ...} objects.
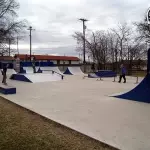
[{"x": 56, "y": 20}]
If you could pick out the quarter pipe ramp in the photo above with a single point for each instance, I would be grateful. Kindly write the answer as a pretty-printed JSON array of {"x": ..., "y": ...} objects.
[
  {"x": 74, "y": 71},
  {"x": 140, "y": 93}
]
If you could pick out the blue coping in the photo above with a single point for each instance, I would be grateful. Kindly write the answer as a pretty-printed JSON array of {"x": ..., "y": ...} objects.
[
  {"x": 140, "y": 93},
  {"x": 7, "y": 90},
  {"x": 28, "y": 64},
  {"x": 106, "y": 73},
  {"x": 41, "y": 64},
  {"x": 68, "y": 72},
  {"x": 20, "y": 77}
]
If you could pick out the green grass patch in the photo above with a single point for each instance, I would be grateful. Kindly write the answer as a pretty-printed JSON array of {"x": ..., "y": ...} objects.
[{"x": 139, "y": 73}]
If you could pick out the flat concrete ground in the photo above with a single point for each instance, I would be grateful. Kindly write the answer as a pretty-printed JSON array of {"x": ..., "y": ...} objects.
[{"x": 85, "y": 105}]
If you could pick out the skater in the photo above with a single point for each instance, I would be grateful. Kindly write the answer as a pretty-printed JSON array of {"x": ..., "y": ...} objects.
[
  {"x": 4, "y": 73},
  {"x": 16, "y": 64},
  {"x": 122, "y": 74}
]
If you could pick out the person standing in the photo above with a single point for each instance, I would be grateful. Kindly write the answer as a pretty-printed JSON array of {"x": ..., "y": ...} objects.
[
  {"x": 17, "y": 64},
  {"x": 4, "y": 73},
  {"x": 122, "y": 74}
]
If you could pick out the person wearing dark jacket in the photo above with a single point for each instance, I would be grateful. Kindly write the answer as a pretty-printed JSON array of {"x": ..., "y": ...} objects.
[
  {"x": 4, "y": 73},
  {"x": 122, "y": 74}
]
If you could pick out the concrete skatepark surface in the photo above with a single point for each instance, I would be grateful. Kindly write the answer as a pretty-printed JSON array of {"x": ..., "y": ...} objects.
[
  {"x": 10, "y": 71},
  {"x": 28, "y": 69},
  {"x": 42, "y": 77},
  {"x": 84, "y": 105}
]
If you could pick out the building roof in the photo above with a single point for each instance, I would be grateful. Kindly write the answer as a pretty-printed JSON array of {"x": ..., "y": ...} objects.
[
  {"x": 6, "y": 58},
  {"x": 48, "y": 57}
]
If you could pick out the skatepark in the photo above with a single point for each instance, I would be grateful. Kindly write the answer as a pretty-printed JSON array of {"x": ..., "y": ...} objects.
[
  {"x": 75, "y": 75},
  {"x": 87, "y": 106}
]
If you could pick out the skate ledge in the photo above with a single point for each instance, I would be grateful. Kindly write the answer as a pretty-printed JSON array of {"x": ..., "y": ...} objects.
[{"x": 6, "y": 89}]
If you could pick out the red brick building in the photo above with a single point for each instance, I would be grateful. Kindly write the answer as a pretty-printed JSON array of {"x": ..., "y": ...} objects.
[{"x": 58, "y": 60}]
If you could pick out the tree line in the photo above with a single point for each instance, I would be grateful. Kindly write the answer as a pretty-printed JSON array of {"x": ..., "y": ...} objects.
[
  {"x": 10, "y": 27},
  {"x": 117, "y": 45}
]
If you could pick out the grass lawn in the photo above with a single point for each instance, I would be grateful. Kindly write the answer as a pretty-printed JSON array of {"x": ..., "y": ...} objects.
[
  {"x": 139, "y": 73},
  {"x": 21, "y": 129}
]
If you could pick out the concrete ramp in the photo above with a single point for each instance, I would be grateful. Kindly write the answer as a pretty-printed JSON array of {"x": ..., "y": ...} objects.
[
  {"x": 43, "y": 77},
  {"x": 47, "y": 69},
  {"x": 92, "y": 75},
  {"x": 74, "y": 71},
  {"x": 36, "y": 77},
  {"x": 141, "y": 93},
  {"x": 11, "y": 71},
  {"x": 28, "y": 69}
]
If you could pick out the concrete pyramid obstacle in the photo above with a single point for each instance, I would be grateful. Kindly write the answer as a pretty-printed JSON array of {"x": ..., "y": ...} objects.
[
  {"x": 36, "y": 77},
  {"x": 68, "y": 72}
]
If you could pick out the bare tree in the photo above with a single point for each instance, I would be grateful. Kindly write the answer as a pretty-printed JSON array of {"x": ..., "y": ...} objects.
[
  {"x": 7, "y": 8},
  {"x": 96, "y": 46},
  {"x": 113, "y": 46},
  {"x": 10, "y": 27},
  {"x": 123, "y": 33},
  {"x": 113, "y": 49},
  {"x": 144, "y": 30}
]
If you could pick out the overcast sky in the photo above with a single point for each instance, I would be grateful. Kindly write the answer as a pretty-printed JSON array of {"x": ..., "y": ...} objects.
[{"x": 55, "y": 21}]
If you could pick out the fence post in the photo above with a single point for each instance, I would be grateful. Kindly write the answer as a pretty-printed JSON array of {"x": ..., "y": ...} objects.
[
  {"x": 114, "y": 79},
  {"x": 137, "y": 79}
]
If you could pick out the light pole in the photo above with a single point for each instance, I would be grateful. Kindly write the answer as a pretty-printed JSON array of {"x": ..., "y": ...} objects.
[
  {"x": 9, "y": 45},
  {"x": 17, "y": 45},
  {"x": 84, "y": 28},
  {"x": 30, "y": 29}
]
